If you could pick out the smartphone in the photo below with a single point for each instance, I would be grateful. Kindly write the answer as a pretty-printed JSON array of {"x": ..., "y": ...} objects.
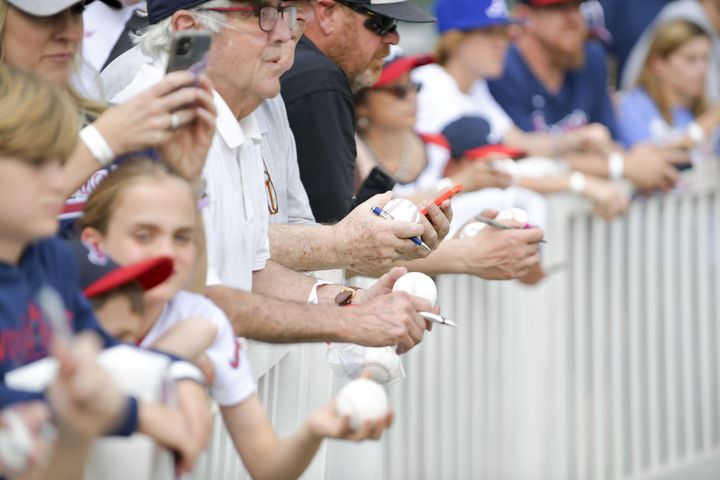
[
  {"x": 444, "y": 196},
  {"x": 189, "y": 51}
]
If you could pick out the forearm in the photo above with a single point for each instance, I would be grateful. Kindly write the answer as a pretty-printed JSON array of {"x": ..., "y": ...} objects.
[
  {"x": 70, "y": 455},
  {"x": 290, "y": 457},
  {"x": 305, "y": 247},
  {"x": 446, "y": 259},
  {"x": 78, "y": 168},
  {"x": 590, "y": 163},
  {"x": 278, "y": 281},
  {"x": 552, "y": 184},
  {"x": 272, "y": 320},
  {"x": 163, "y": 424}
]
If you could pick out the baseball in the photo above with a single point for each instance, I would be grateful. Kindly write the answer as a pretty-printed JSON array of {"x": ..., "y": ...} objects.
[
  {"x": 403, "y": 209},
  {"x": 382, "y": 363},
  {"x": 417, "y": 284},
  {"x": 471, "y": 229},
  {"x": 362, "y": 400},
  {"x": 517, "y": 214}
]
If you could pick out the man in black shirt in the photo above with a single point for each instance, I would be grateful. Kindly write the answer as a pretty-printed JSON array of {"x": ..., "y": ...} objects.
[{"x": 341, "y": 52}]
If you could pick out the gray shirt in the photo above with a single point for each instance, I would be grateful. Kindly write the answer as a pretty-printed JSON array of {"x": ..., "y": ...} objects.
[
  {"x": 689, "y": 10},
  {"x": 282, "y": 165}
]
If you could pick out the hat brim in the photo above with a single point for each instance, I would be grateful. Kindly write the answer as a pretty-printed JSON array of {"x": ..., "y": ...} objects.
[
  {"x": 481, "y": 153},
  {"x": 150, "y": 273},
  {"x": 50, "y": 8},
  {"x": 401, "y": 66},
  {"x": 403, "y": 11}
]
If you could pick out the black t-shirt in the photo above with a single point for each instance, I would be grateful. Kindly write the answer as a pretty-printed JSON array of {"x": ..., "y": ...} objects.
[{"x": 321, "y": 111}]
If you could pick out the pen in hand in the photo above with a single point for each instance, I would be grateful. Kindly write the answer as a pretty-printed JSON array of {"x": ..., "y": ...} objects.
[
  {"x": 496, "y": 224},
  {"x": 382, "y": 213}
]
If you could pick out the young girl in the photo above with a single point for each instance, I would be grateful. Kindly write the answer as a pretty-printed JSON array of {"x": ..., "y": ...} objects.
[{"x": 145, "y": 209}]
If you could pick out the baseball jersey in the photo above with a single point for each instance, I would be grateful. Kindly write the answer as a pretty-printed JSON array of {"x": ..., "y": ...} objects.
[{"x": 583, "y": 98}]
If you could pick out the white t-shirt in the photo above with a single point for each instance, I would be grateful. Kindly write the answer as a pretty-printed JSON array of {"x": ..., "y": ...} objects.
[
  {"x": 236, "y": 218},
  {"x": 234, "y": 381},
  {"x": 441, "y": 102}
]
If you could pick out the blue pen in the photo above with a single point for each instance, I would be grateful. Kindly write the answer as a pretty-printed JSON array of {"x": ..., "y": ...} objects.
[{"x": 382, "y": 213}]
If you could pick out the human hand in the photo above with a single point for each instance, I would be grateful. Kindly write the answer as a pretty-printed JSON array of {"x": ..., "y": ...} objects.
[
  {"x": 497, "y": 254},
  {"x": 26, "y": 438},
  {"x": 651, "y": 168},
  {"x": 609, "y": 199},
  {"x": 146, "y": 121},
  {"x": 436, "y": 223},
  {"x": 86, "y": 401},
  {"x": 326, "y": 423},
  {"x": 594, "y": 137},
  {"x": 480, "y": 174},
  {"x": 390, "y": 319},
  {"x": 371, "y": 243},
  {"x": 382, "y": 286}
]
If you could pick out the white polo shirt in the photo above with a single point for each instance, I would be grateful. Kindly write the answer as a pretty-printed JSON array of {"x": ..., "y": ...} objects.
[
  {"x": 236, "y": 218},
  {"x": 440, "y": 102}
]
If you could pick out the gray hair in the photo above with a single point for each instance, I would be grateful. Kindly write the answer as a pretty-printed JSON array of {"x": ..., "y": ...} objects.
[{"x": 155, "y": 40}]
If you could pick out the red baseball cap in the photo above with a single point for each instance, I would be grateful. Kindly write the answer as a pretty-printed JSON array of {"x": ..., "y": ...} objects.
[
  {"x": 399, "y": 66},
  {"x": 99, "y": 274}
]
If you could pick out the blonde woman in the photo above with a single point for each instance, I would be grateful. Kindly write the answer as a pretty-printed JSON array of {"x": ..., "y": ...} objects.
[
  {"x": 44, "y": 37},
  {"x": 668, "y": 105}
]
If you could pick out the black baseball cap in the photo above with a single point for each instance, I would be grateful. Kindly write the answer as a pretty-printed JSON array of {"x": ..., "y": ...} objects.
[
  {"x": 98, "y": 274},
  {"x": 402, "y": 10},
  {"x": 47, "y": 8}
]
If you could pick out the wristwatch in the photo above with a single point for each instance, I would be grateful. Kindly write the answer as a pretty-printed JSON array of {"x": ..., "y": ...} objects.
[{"x": 346, "y": 295}]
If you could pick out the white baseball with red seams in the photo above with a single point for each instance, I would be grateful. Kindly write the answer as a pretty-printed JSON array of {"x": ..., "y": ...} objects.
[
  {"x": 362, "y": 400},
  {"x": 417, "y": 284},
  {"x": 402, "y": 209},
  {"x": 382, "y": 363}
]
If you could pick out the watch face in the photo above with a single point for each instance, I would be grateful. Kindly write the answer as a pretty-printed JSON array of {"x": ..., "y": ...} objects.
[{"x": 344, "y": 297}]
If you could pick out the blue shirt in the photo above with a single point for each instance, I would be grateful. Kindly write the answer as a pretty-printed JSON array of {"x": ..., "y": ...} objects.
[
  {"x": 26, "y": 332},
  {"x": 640, "y": 119},
  {"x": 582, "y": 99}
]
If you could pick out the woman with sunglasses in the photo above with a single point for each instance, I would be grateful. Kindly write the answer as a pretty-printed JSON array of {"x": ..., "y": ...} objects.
[
  {"x": 386, "y": 138},
  {"x": 44, "y": 37}
]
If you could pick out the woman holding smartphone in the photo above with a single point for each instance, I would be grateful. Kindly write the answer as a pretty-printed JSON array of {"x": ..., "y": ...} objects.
[{"x": 44, "y": 37}]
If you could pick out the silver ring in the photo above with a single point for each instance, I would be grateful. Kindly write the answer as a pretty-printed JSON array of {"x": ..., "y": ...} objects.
[{"x": 174, "y": 121}]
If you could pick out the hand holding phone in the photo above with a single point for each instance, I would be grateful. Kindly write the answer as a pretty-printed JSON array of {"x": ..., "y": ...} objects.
[
  {"x": 189, "y": 51},
  {"x": 450, "y": 193}
]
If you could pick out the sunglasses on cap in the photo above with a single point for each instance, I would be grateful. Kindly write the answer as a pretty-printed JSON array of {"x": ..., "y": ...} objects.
[
  {"x": 378, "y": 24},
  {"x": 400, "y": 91}
]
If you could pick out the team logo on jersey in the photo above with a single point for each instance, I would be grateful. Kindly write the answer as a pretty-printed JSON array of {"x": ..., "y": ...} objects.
[{"x": 497, "y": 9}]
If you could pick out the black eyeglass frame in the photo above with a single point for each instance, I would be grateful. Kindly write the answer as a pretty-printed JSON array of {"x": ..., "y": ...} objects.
[{"x": 378, "y": 24}]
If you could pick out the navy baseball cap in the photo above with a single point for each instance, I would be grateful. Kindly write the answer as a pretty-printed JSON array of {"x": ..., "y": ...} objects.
[
  {"x": 471, "y": 14},
  {"x": 47, "y": 8},
  {"x": 402, "y": 10},
  {"x": 99, "y": 274},
  {"x": 159, "y": 9},
  {"x": 469, "y": 137}
]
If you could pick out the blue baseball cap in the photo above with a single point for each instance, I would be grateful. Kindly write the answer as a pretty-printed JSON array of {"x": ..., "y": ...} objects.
[{"x": 471, "y": 14}]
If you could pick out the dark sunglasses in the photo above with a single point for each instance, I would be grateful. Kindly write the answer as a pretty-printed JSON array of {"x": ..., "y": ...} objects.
[
  {"x": 380, "y": 25},
  {"x": 400, "y": 91}
]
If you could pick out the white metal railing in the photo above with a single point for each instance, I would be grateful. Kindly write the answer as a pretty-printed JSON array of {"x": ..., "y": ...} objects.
[{"x": 610, "y": 369}]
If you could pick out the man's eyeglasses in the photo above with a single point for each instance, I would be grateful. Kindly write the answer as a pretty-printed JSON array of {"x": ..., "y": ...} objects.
[
  {"x": 273, "y": 207},
  {"x": 267, "y": 14},
  {"x": 380, "y": 25},
  {"x": 400, "y": 91}
]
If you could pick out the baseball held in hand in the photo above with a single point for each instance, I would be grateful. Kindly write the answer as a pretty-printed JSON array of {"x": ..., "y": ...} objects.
[
  {"x": 362, "y": 400},
  {"x": 417, "y": 284},
  {"x": 517, "y": 214},
  {"x": 403, "y": 209},
  {"x": 472, "y": 229}
]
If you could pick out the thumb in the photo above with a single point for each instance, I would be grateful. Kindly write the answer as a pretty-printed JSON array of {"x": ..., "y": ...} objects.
[
  {"x": 378, "y": 200},
  {"x": 392, "y": 276},
  {"x": 402, "y": 229}
]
